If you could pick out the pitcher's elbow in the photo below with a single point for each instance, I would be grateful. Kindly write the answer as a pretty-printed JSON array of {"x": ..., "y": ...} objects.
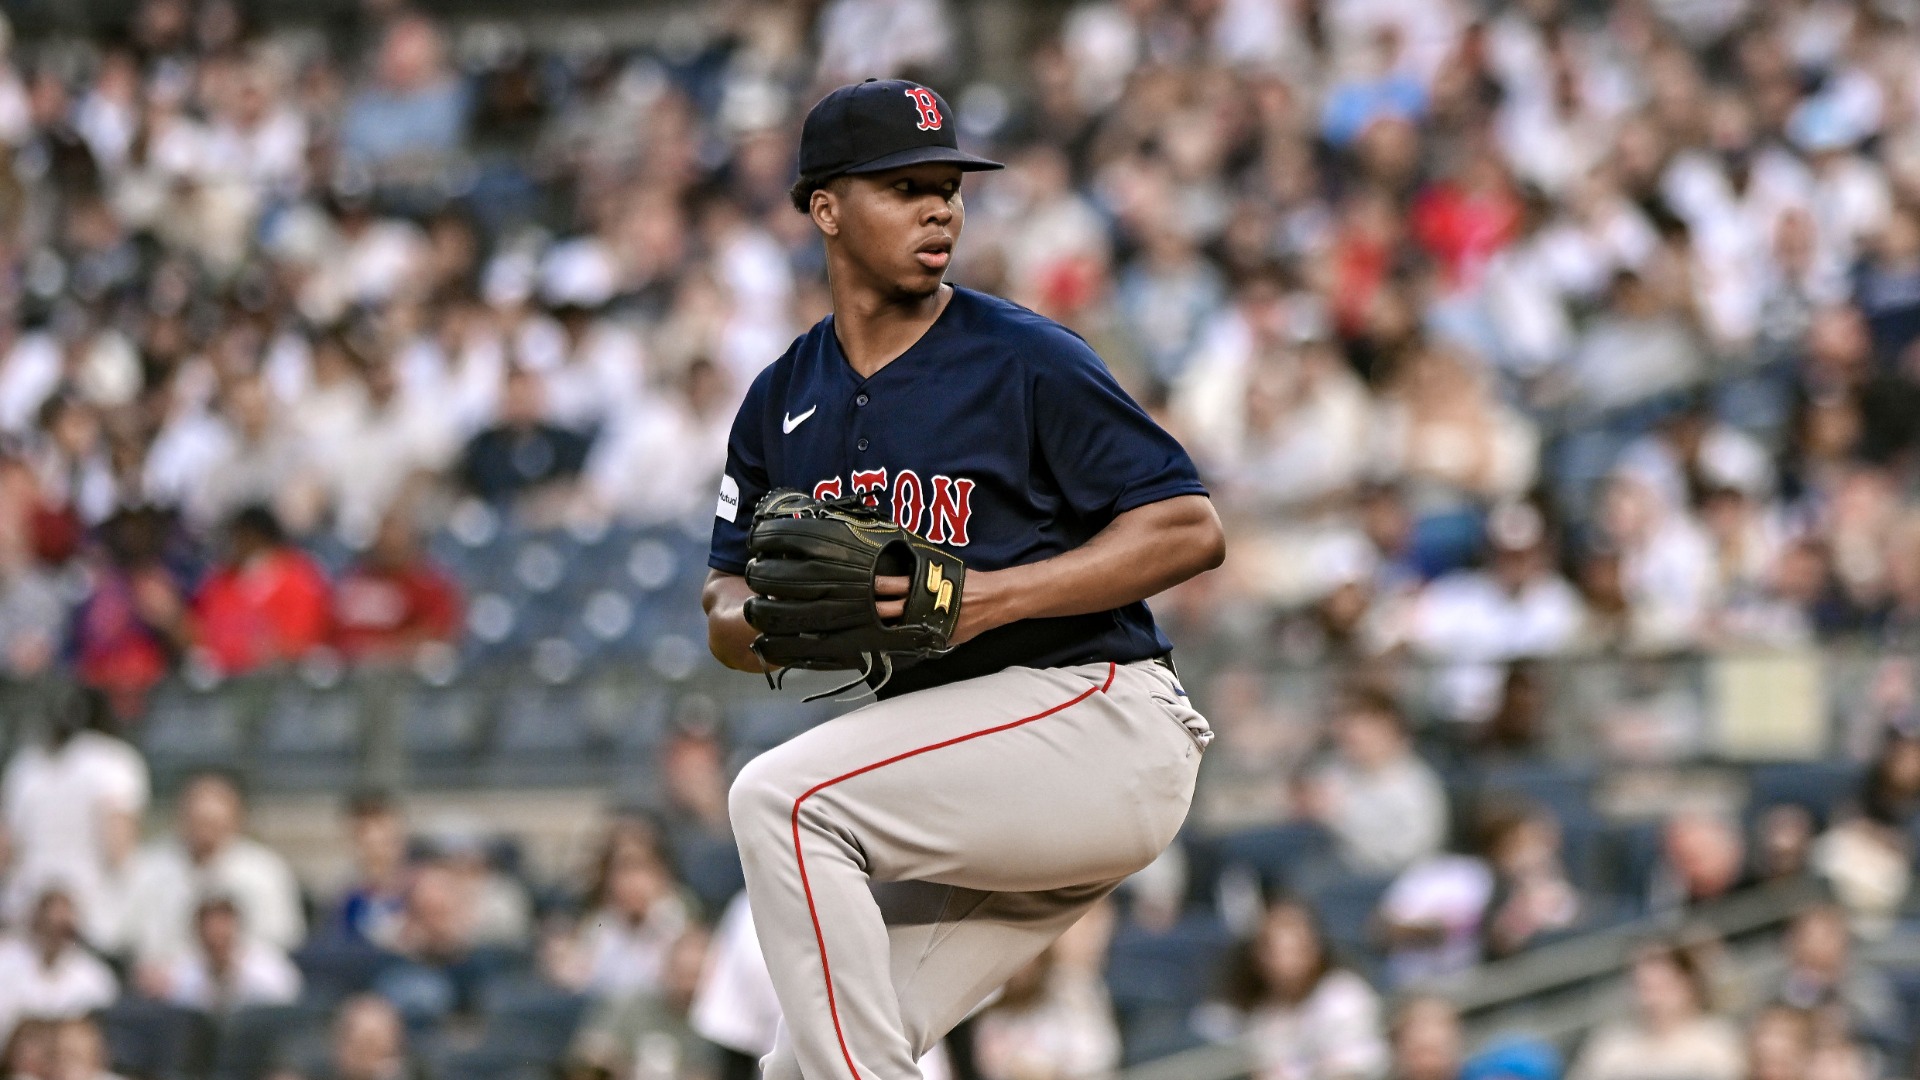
[{"x": 1216, "y": 554}]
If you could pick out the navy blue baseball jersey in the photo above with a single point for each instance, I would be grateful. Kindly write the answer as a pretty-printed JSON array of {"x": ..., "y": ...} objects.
[{"x": 999, "y": 435}]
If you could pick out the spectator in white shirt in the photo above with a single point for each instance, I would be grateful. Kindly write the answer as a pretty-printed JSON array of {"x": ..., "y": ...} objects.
[
  {"x": 1673, "y": 1031},
  {"x": 72, "y": 806},
  {"x": 1053, "y": 1020},
  {"x": 883, "y": 38},
  {"x": 387, "y": 444},
  {"x": 70, "y": 459},
  {"x": 1516, "y": 607},
  {"x": 211, "y": 857},
  {"x": 621, "y": 946},
  {"x": 228, "y": 969},
  {"x": 1385, "y": 807},
  {"x": 46, "y": 974},
  {"x": 1300, "y": 1014},
  {"x": 1666, "y": 563},
  {"x": 662, "y": 461},
  {"x": 255, "y": 458},
  {"x": 734, "y": 1007}
]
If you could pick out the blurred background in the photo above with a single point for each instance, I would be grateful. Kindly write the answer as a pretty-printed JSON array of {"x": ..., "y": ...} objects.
[{"x": 365, "y": 372}]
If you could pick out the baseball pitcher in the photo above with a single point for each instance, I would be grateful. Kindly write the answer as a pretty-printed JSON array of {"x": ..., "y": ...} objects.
[{"x": 948, "y": 497}]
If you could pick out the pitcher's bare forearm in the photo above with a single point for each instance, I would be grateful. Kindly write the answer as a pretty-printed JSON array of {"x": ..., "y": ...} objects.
[
  {"x": 1141, "y": 553},
  {"x": 728, "y": 635}
]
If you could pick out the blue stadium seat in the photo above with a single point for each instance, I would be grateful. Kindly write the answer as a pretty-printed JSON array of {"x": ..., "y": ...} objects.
[
  {"x": 490, "y": 565},
  {"x": 1178, "y": 966},
  {"x": 487, "y": 1062},
  {"x": 759, "y": 723},
  {"x": 1278, "y": 854},
  {"x": 543, "y": 615},
  {"x": 1155, "y": 978},
  {"x": 1564, "y": 786},
  {"x": 332, "y": 553},
  {"x": 1907, "y": 984},
  {"x": 1629, "y": 854},
  {"x": 1153, "y": 1032},
  {"x": 710, "y": 866},
  {"x": 336, "y": 968},
  {"x": 639, "y": 727},
  {"x": 440, "y": 725},
  {"x": 255, "y": 1040},
  {"x": 311, "y": 736},
  {"x": 539, "y": 719},
  {"x": 1820, "y": 786},
  {"x": 1344, "y": 905},
  {"x": 546, "y": 733},
  {"x": 157, "y": 1041},
  {"x": 186, "y": 729}
]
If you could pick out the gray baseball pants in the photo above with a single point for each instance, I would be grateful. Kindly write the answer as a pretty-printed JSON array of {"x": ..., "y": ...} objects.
[{"x": 904, "y": 860}]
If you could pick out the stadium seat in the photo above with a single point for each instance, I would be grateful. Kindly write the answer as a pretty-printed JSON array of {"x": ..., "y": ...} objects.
[
  {"x": 440, "y": 727},
  {"x": 637, "y": 727},
  {"x": 1344, "y": 904},
  {"x": 759, "y": 723},
  {"x": 1906, "y": 983},
  {"x": 332, "y": 553},
  {"x": 1565, "y": 787},
  {"x": 1173, "y": 966},
  {"x": 1277, "y": 854},
  {"x": 156, "y": 1041},
  {"x": 310, "y": 737},
  {"x": 710, "y": 866},
  {"x": 336, "y": 968},
  {"x": 491, "y": 566},
  {"x": 545, "y": 732},
  {"x": 487, "y": 1062},
  {"x": 1629, "y": 854},
  {"x": 1157, "y": 1031},
  {"x": 1819, "y": 786},
  {"x": 187, "y": 729},
  {"x": 254, "y": 1041},
  {"x": 1156, "y": 977}
]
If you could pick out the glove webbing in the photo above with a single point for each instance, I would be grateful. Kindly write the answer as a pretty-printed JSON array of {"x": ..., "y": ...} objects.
[{"x": 777, "y": 677}]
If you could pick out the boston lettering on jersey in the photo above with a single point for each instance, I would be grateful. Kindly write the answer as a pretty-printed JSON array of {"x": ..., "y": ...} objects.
[
  {"x": 999, "y": 435},
  {"x": 944, "y": 516}
]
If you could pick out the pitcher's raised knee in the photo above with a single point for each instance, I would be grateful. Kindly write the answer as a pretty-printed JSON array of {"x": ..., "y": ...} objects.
[{"x": 762, "y": 797}]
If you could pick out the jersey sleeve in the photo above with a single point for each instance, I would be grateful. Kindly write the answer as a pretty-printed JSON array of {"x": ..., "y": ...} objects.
[
  {"x": 744, "y": 482},
  {"x": 1107, "y": 455}
]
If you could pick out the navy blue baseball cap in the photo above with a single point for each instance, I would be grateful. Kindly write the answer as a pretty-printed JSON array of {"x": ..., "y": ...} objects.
[{"x": 877, "y": 125}]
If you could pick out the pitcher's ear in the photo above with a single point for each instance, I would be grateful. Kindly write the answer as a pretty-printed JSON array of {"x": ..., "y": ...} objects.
[{"x": 823, "y": 206}]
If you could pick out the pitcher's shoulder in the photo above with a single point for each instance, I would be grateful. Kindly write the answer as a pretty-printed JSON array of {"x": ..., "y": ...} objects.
[{"x": 1036, "y": 337}]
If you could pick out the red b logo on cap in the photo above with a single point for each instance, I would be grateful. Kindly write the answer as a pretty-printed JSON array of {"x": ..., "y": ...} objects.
[{"x": 929, "y": 108}]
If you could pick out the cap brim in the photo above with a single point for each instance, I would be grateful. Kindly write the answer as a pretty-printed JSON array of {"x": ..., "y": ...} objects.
[{"x": 924, "y": 155}]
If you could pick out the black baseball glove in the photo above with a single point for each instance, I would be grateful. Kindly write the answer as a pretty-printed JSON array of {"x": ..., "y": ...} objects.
[{"x": 812, "y": 568}]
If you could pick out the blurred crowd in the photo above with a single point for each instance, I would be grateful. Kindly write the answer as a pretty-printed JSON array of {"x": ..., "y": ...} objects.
[
  {"x": 154, "y": 941},
  {"x": 1500, "y": 331}
]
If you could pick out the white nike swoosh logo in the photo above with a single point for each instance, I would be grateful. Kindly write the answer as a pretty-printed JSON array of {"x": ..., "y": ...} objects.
[{"x": 789, "y": 422}]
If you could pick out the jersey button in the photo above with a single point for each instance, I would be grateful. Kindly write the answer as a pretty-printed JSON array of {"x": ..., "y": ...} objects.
[
  {"x": 861, "y": 445},
  {"x": 861, "y": 400}
]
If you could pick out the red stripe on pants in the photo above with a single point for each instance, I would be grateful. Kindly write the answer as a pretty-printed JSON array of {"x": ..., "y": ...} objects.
[{"x": 800, "y": 857}]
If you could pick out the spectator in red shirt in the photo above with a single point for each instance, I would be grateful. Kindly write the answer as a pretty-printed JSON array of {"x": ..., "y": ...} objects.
[
  {"x": 268, "y": 601},
  {"x": 127, "y": 632},
  {"x": 395, "y": 599},
  {"x": 1464, "y": 220}
]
